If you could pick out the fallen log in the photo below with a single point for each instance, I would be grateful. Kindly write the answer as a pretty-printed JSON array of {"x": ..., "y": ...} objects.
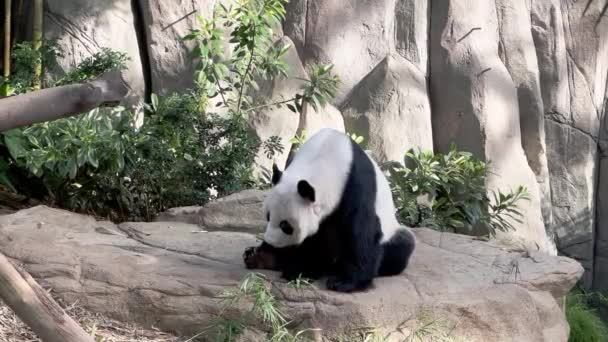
[
  {"x": 63, "y": 101},
  {"x": 35, "y": 307}
]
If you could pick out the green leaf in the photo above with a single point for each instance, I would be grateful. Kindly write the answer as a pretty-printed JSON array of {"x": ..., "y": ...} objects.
[
  {"x": 72, "y": 168},
  {"x": 4, "y": 175},
  {"x": 15, "y": 143},
  {"x": 154, "y": 99},
  {"x": 91, "y": 159},
  {"x": 6, "y": 90}
]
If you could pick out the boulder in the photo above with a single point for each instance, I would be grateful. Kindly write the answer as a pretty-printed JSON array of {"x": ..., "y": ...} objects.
[
  {"x": 475, "y": 106},
  {"x": 357, "y": 35},
  {"x": 572, "y": 51},
  {"x": 517, "y": 52},
  {"x": 164, "y": 275},
  {"x": 272, "y": 121},
  {"x": 241, "y": 211},
  {"x": 171, "y": 64},
  {"x": 83, "y": 28},
  {"x": 390, "y": 108}
]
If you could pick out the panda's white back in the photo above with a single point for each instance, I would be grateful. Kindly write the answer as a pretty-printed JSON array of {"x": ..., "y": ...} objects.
[{"x": 325, "y": 161}]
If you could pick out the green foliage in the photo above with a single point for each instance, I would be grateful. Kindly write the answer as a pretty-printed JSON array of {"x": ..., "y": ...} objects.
[
  {"x": 25, "y": 58},
  {"x": 253, "y": 54},
  {"x": 356, "y": 138},
  {"x": 95, "y": 65},
  {"x": 447, "y": 191},
  {"x": 585, "y": 324},
  {"x": 100, "y": 163},
  {"x": 298, "y": 140},
  {"x": 73, "y": 156},
  {"x": 189, "y": 148},
  {"x": 255, "y": 290},
  {"x": 321, "y": 87},
  {"x": 188, "y": 153}
]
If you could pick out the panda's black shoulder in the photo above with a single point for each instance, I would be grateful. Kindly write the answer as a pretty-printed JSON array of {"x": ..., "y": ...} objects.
[
  {"x": 359, "y": 191},
  {"x": 361, "y": 182}
]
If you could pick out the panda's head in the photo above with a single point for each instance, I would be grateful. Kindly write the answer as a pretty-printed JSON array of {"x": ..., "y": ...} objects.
[{"x": 291, "y": 210}]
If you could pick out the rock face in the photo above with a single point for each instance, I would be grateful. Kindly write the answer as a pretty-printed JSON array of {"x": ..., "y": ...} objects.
[
  {"x": 517, "y": 52},
  {"x": 171, "y": 64},
  {"x": 519, "y": 83},
  {"x": 391, "y": 110},
  {"x": 476, "y": 104},
  {"x": 163, "y": 274},
  {"x": 571, "y": 48},
  {"x": 85, "y": 27},
  {"x": 357, "y": 35}
]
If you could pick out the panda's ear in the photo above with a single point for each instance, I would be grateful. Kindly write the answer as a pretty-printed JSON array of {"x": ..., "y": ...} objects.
[
  {"x": 276, "y": 174},
  {"x": 306, "y": 190}
]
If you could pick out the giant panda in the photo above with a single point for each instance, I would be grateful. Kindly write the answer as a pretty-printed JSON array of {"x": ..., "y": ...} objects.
[{"x": 331, "y": 213}]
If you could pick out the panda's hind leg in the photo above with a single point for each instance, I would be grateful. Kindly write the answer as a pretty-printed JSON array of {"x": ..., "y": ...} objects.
[
  {"x": 359, "y": 261},
  {"x": 396, "y": 253}
]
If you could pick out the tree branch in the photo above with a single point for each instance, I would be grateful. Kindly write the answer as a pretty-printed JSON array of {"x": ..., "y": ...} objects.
[
  {"x": 59, "y": 102},
  {"x": 269, "y": 104},
  {"x": 36, "y": 308},
  {"x": 238, "y": 105}
]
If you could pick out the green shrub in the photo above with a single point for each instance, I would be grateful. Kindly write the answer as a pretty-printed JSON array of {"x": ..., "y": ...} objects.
[
  {"x": 73, "y": 156},
  {"x": 187, "y": 154},
  {"x": 448, "y": 192},
  {"x": 585, "y": 324},
  {"x": 25, "y": 58},
  {"x": 94, "y": 65},
  {"x": 187, "y": 150}
]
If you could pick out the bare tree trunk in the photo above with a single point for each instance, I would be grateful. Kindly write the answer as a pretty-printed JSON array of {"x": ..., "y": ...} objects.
[
  {"x": 37, "y": 40},
  {"x": 302, "y": 122},
  {"x": 6, "y": 65},
  {"x": 17, "y": 22},
  {"x": 59, "y": 102},
  {"x": 36, "y": 308}
]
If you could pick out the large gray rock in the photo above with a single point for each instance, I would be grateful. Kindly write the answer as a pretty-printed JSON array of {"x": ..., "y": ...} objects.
[
  {"x": 572, "y": 52},
  {"x": 357, "y": 35},
  {"x": 517, "y": 52},
  {"x": 390, "y": 108},
  {"x": 281, "y": 122},
  {"x": 164, "y": 23},
  {"x": 161, "y": 274},
  {"x": 241, "y": 211},
  {"x": 475, "y": 105},
  {"x": 85, "y": 27},
  {"x": 573, "y": 166}
]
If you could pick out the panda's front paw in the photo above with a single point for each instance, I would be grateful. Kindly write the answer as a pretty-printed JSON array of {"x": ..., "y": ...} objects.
[
  {"x": 290, "y": 275},
  {"x": 340, "y": 284},
  {"x": 249, "y": 257}
]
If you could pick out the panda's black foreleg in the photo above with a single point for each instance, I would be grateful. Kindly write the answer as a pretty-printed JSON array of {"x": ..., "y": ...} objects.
[{"x": 360, "y": 260}]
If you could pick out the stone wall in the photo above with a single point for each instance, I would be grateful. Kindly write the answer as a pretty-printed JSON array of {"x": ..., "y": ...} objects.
[{"x": 520, "y": 83}]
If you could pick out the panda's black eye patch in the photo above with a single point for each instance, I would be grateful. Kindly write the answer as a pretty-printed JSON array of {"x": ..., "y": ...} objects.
[
  {"x": 286, "y": 227},
  {"x": 268, "y": 216}
]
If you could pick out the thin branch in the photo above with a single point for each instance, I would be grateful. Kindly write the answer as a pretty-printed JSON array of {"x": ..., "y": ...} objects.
[
  {"x": 219, "y": 87},
  {"x": 243, "y": 78},
  {"x": 269, "y": 104}
]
